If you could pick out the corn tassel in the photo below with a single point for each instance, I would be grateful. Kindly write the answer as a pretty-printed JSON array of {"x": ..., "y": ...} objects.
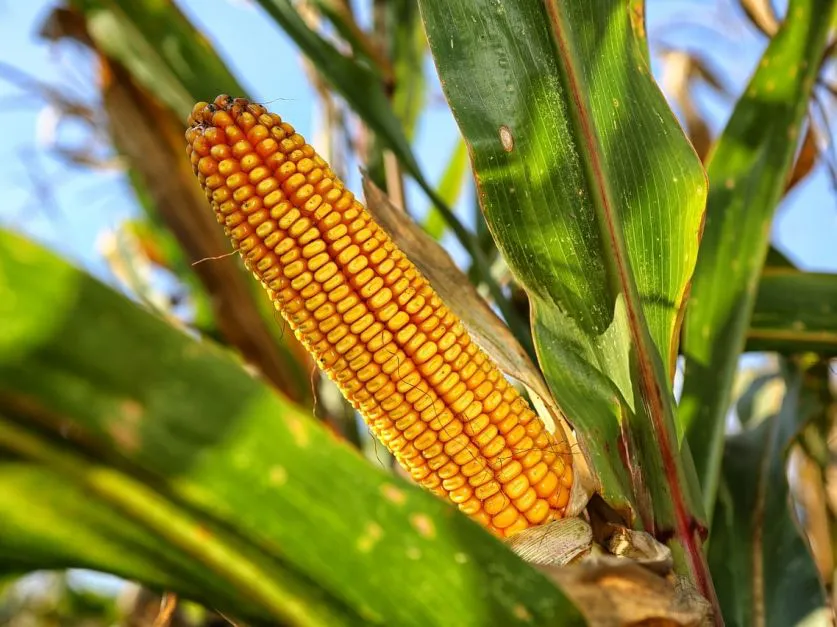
[{"x": 374, "y": 324}]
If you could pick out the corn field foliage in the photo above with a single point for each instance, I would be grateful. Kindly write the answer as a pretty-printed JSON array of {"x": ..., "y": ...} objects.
[{"x": 615, "y": 260}]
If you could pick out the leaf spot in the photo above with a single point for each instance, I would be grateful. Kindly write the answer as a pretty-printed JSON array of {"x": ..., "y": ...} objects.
[
  {"x": 278, "y": 475},
  {"x": 424, "y": 526},
  {"x": 460, "y": 558},
  {"x": 370, "y": 537},
  {"x": 414, "y": 553},
  {"x": 729, "y": 184},
  {"x": 506, "y": 138},
  {"x": 522, "y": 613},
  {"x": 125, "y": 429},
  {"x": 393, "y": 494},
  {"x": 299, "y": 431},
  {"x": 370, "y": 615},
  {"x": 203, "y": 533}
]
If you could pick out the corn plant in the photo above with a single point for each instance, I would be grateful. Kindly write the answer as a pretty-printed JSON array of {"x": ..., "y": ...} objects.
[{"x": 546, "y": 472}]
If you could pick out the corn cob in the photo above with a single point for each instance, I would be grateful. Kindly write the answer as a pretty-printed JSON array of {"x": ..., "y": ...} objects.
[{"x": 374, "y": 324}]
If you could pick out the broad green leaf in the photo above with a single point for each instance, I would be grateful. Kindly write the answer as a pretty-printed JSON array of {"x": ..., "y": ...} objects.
[
  {"x": 794, "y": 312},
  {"x": 94, "y": 534},
  {"x": 747, "y": 171},
  {"x": 761, "y": 565},
  {"x": 248, "y": 573},
  {"x": 595, "y": 199},
  {"x": 173, "y": 435}
]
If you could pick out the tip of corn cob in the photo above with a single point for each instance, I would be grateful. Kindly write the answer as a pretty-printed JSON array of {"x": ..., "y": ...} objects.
[{"x": 373, "y": 322}]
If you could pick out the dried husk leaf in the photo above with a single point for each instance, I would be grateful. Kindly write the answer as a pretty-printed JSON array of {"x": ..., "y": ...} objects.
[{"x": 617, "y": 592}]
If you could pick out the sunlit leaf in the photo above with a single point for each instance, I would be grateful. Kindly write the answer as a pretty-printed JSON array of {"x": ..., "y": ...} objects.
[
  {"x": 595, "y": 199},
  {"x": 748, "y": 170},
  {"x": 794, "y": 312},
  {"x": 232, "y": 479}
]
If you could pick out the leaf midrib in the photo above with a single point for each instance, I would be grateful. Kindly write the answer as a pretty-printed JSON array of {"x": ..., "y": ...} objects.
[{"x": 649, "y": 382}]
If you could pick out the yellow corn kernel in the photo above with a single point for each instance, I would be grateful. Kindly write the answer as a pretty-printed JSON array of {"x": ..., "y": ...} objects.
[{"x": 373, "y": 322}]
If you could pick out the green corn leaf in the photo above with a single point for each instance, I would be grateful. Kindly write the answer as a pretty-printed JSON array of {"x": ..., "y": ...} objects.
[
  {"x": 747, "y": 171},
  {"x": 762, "y": 567},
  {"x": 595, "y": 199},
  {"x": 794, "y": 312},
  {"x": 169, "y": 438}
]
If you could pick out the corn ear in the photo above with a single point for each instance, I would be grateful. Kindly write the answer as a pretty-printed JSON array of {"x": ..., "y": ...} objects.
[{"x": 374, "y": 324}]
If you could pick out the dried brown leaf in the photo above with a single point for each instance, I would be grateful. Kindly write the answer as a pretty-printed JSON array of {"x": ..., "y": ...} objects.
[
  {"x": 806, "y": 159},
  {"x": 556, "y": 543},
  {"x": 632, "y": 584},
  {"x": 150, "y": 137},
  {"x": 641, "y": 547},
  {"x": 762, "y": 15},
  {"x": 617, "y": 592}
]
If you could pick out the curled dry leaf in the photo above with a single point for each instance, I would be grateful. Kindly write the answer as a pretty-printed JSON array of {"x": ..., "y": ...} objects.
[
  {"x": 556, "y": 543},
  {"x": 806, "y": 159},
  {"x": 571, "y": 540},
  {"x": 617, "y": 592},
  {"x": 640, "y": 547},
  {"x": 629, "y": 581},
  {"x": 485, "y": 327},
  {"x": 128, "y": 260},
  {"x": 762, "y": 15}
]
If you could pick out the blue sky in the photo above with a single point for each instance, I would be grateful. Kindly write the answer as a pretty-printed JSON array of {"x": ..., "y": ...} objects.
[{"x": 69, "y": 207}]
